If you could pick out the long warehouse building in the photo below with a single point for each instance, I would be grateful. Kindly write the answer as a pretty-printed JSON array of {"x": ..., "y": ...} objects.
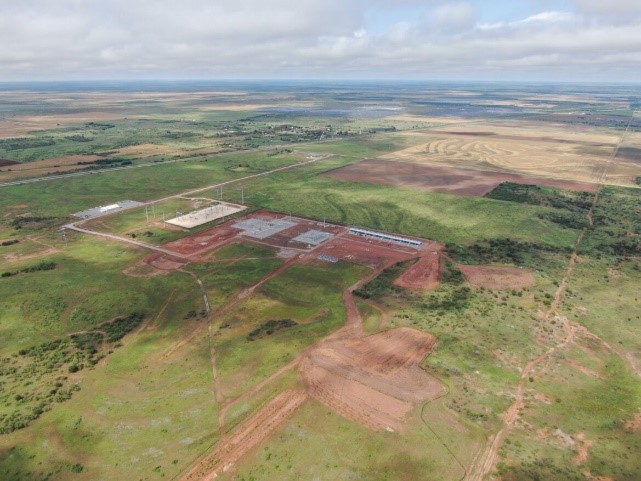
[{"x": 385, "y": 237}]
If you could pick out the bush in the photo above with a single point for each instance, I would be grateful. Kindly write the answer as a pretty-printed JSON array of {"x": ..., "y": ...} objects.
[{"x": 270, "y": 327}]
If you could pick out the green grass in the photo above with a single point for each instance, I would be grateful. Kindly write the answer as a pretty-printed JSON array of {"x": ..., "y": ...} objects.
[
  {"x": 65, "y": 196},
  {"x": 316, "y": 443},
  {"x": 227, "y": 277},
  {"x": 311, "y": 296},
  {"x": 441, "y": 217},
  {"x": 371, "y": 317},
  {"x": 134, "y": 403}
]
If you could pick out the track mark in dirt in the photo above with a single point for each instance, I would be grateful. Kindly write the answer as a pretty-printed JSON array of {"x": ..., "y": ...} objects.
[
  {"x": 584, "y": 370},
  {"x": 250, "y": 434},
  {"x": 582, "y": 447}
]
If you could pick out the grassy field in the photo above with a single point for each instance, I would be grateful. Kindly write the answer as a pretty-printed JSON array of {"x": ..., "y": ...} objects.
[
  {"x": 233, "y": 268},
  {"x": 63, "y": 197},
  {"x": 318, "y": 444},
  {"x": 141, "y": 404},
  {"x": 308, "y": 295},
  {"x": 105, "y": 429},
  {"x": 441, "y": 217}
]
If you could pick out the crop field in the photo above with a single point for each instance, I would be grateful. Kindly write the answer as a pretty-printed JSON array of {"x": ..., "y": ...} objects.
[
  {"x": 534, "y": 149},
  {"x": 276, "y": 343},
  {"x": 450, "y": 180}
]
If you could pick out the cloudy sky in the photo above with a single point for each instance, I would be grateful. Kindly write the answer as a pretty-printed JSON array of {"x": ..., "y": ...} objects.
[{"x": 590, "y": 40}]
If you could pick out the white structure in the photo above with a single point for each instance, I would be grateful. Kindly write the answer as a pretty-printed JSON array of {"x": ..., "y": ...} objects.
[
  {"x": 109, "y": 207},
  {"x": 208, "y": 214},
  {"x": 386, "y": 237}
]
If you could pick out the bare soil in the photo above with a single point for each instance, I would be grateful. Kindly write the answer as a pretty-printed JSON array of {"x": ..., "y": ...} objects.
[
  {"x": 423, "y": 274},
  {"x": 582, "y": 447},
  {"x": 374, "y": 381},
  {"x": 498, "y": 277},
  {"x": 369, "y": 252},
  {"x": 444, "y": 179},
  {"x": 634, "y": 424}
]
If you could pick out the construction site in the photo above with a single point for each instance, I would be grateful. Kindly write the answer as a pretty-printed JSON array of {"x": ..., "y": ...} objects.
[{"x": 375, "y": 381}]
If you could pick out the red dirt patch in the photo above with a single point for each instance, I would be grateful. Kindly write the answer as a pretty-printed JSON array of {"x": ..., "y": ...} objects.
[
  {"x": 156, "y": 264},
  {"x": 369, "y": 252},
  {"x": 423, "y": 274},
  {"x": 584, "y": 370},
  {"x": 582, "y": 449},
  {"x": 374, "y": 381},
  {"x": 498, "y": 277},
  {"x": 634, "y": 425},
  {"x": 166, "y": 263},
  {"x": 204, "y": 241},
  {"x": 6, "y": 162},
  {"x": 468, "y": 182}
]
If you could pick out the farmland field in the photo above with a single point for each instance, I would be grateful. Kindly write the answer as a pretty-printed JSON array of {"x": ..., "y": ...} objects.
[{"x": 485, "y": 328}]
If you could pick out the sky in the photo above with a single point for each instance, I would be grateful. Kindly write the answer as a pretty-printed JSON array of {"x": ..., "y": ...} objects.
[{"x": 529, "y": 40}]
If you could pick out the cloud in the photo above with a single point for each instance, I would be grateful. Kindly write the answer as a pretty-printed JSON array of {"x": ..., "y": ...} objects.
[
  {"x": 40, "y": 39},
  {"x": 452, "y": 17}
]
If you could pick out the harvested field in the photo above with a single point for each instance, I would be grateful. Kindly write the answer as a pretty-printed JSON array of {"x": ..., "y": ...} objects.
[
  {"x": 426, "y": 118},
  {"x": 234, "y": 107},
  {"x": 529, "y": 148},
  {"x": 22, "y": 125},
  {"x": 374, "y": 381},
  {"x": 33, "y": 169},
  {"x": 498, "y": 277},
  {"x": 149, "y": 150},
  {"x": 438, "y": 178},
  {"x": 425, "y": 273},
  {"x": 628, "y": 161}
]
